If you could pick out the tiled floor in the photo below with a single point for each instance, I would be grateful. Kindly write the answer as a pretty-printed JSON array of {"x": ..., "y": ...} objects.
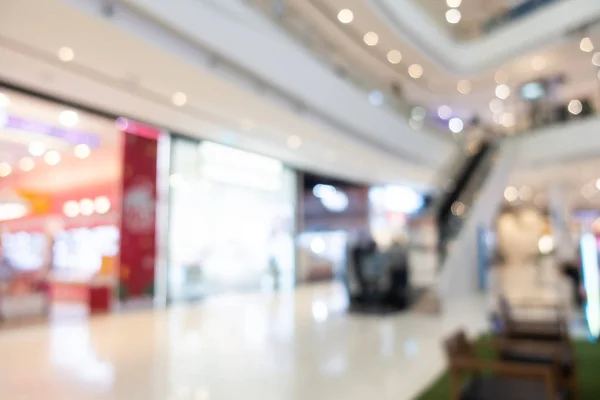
[{"x": 299, "y": 345}]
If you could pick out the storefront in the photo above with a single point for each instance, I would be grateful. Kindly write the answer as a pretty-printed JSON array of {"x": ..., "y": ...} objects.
[
  {"x": 231, "y": 221},
  {"x": 332, "y": 213},
  {"x": 66, "y": 180}
]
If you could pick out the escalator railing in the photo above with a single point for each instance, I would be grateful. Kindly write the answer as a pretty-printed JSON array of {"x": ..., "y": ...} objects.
[{"x": 454, "y": 204}]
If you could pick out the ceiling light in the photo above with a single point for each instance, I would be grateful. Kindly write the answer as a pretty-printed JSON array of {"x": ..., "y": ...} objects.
[
  {"x": 4, "y": 100},
  {"x": 418, "y": 113},
  {"x": 464, "y": 87},
  {"x": 68, "y": 118},
  {"x": 5, "y": 169},
  {"x": 502, "y": 91},
  {"x": 525, "y": 193},
  {"x": 598, "y": 184},
  {"x": 511, "y": 193},
  {"x": 52, "y": 157},
  {"x": 86, "y": 207},
  {"x": 371, "y": 38},
  {"x": 82, "y": 151},
  {"x": 575, "y": 107},
  {"x": 501, "y": 77},
  {"x": 294, "y": 142},
  {"x": 66, "y": 54},
  {"x": 71, "y": 209},
  {"x": 26, "y": 164},
  {"x": 444, "y": 112},
  {"x": 179, "y": 99},
  {"x": 394, "y": 56},
  {"x": 508, "y": 120},
  {"x": 376, "y": 98},
  {"x": 36, "y": 149},
  {"x": 586, "y": 45},
  {"x": 497, "y": 117},
  {"x": 496, "y": 105},
  {"x": 415, "y": 71},
  {"x": 455, "y": 125},
  {"x": 453, "y": 3},
  {"x": 415, "y": 124},
  {"x": 596, "y": 59},
  {"x": 458, "y": 208},
  {"x": 538, "y": 63},
  {"x": 345, "y": 16},
  {"x": 453, "y": 16},
  {"x": 101, "y": 204}
]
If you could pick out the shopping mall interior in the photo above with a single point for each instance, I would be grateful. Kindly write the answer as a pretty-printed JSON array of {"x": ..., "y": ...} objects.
[{"x": 299, "y": 199}]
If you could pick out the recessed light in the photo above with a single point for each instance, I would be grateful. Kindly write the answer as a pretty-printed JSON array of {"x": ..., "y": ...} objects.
[
  {"x": 586, "y": 45},
  {"x": 82, "y": 151},
  {"x": 415, "y": 71},
  {"x": 102, "y": 204},
  {"x": 453, "y": 16},
  {"x": 294, "y": 142},
  {"x": 4, "y": 100},
  {"x": 86, "y": 206},
  {"x": 345, "y": 16},
  {"x": 511, "y": 193},
  {"x": 68, "y": 118},
  {"x": 444, "y": 112},
  {"x": 36, "y": 149},
  {"x": 538, "y": 63},
  {"x": 66, "y": 54},
  {"x": 394, "y": 56},
  {"x": 575, "y": 107},
  {"x": 501, "y": 77},
  {"x": 26, "y": 164},
  {"x": 496, "y": 106},
  {"x": 596, "y": 59},
  {"x": 71, "y": 209},
  {"x": 52, "y": 157},
  {"x": 371, "y": 38},
  {"x": 502, "y": 91},
  {"x": 418, "y": 113},
  {"x": 179, "y": 99},
  {"x": 525, "y": 193},
  {"x": 464, "y": 87},
  {"x": 5, "y": 169},
  {"x": 456, "y": 125},
  {"x": 453, "y": 3},
  {"x": 598, "y": 184},
  {"x": 508, "y": 120}
]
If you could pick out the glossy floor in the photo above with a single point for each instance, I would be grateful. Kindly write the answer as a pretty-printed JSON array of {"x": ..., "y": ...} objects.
[{"x": 300, "y": 345}]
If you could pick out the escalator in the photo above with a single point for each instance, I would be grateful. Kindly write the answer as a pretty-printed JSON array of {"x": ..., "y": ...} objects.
[{"x": 454, "y": 204}]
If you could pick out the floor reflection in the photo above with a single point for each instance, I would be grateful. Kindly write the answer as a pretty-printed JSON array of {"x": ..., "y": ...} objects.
[{"x": 253, "y": 346}]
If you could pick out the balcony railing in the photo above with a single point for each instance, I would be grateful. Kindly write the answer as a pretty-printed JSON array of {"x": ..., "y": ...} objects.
[{"x": 378, "y": 92}]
